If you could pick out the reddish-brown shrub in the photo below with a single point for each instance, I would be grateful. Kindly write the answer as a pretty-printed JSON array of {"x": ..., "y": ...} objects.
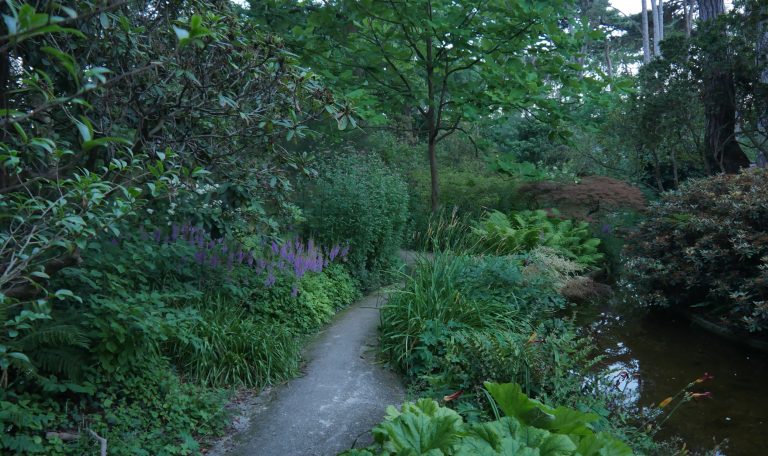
[{"x": 592, "y": 196}]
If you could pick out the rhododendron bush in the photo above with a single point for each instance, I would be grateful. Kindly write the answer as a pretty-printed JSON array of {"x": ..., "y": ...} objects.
[{"x": 704, "y": 249}]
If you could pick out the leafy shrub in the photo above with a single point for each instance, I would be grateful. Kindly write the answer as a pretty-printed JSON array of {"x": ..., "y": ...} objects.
[
  {"x": 305, "y": 306},
  {"x": 463, "y": 193},
  {"x": 147, "y": 308},
  {"x": 461, "y": 320},
  {"x": 524, "y": 230},
  {"x": 704, "y": 248},
  {"x": 529, "y": 428},
  {"x": 590, "y": 196},
  {"x": 360, "y": 203}
]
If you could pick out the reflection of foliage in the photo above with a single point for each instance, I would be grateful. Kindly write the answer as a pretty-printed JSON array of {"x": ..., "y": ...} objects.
[{"x": 706, "y": 246}]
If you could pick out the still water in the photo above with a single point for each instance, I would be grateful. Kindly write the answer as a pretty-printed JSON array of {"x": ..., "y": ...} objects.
[{"x": 662, "y": 353}]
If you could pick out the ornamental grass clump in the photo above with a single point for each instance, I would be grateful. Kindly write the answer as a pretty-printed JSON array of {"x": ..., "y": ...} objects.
[{"x": 460, "y": 320}]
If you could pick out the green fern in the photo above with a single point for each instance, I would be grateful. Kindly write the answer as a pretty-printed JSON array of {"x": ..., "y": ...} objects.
[{"x": 525, "y": 230}]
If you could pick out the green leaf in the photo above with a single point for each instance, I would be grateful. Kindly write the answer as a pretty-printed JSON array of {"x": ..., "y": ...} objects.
[{"x": 103, "y": 141}]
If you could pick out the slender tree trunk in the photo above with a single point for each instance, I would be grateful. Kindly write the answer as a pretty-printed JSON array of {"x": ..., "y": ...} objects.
[
  {"x": 608, "y": 62},
  {"x": 657, "y": 171},
  {"x": 660, "y": 12},
  {"x": 762, "y": 68},
  {"x": 435, "y": 184},
  {"x": 433, "y": 127},
  {"x": 655, "y": 18},
  {"x": 687, "y": 15},
  {"x": 719, "y": 101},
  {"x": 646, "y": 39}
]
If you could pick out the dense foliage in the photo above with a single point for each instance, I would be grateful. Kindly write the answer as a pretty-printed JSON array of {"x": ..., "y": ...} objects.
[
  {"x": 529, "y": 428},
  {"x": 461, "y": 320},
  {"x": 524, "y": 230},
  {"x": 362, "y": 204},
  {"x": 147, "y": 310},
  {"x": 182, "y": 203},
  {"x": 142, "y": 191},
  {"x": 703, "y": 249}
]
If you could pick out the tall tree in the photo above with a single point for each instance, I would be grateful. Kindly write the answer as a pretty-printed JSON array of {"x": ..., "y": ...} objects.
[
  {"x": 718, "y": 93},
  {"x": 447, "y": 62},
  {"x": 762, "y": 68},
  {"x": 655, "y": 19},
  {"x": 660, "y": 12},
  {"x": 646, "y": 38}
]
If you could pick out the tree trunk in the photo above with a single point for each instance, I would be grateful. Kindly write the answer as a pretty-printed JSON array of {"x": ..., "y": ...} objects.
[
  {"x": 433, "y": 119},
  {"x": 608, "y": 62},
  {"x": 762, "y": 68},
  {"x": 646, "y": 39},
  {"x": 435, "y": 184},
  {"x": 655, "y": 18},
  {"x": 660, "y": 12},
  {"x": 687, "y": 9},
  {"x": 719, "y": 102}
]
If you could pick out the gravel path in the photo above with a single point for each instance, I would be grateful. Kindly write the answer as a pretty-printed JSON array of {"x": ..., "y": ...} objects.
[{"x": 343, "y": 393}]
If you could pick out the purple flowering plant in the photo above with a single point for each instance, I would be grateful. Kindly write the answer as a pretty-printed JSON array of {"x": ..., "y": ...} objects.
[{"x": 293, "y": 258}]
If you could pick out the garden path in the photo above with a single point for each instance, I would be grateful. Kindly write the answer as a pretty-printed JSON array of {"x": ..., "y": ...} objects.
[{"x": 342, "y": 395}]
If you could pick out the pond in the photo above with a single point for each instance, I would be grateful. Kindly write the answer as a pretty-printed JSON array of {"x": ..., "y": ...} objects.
[{"x": 662, "y": 353}]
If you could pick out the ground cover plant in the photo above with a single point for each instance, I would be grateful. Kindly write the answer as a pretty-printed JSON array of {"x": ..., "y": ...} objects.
[{"x": 528, "y": 428}]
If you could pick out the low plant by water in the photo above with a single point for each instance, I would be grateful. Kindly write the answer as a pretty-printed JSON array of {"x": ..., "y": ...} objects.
[
  {"x": 528, "y": 427},
  {"x": 461, "y": 320}
]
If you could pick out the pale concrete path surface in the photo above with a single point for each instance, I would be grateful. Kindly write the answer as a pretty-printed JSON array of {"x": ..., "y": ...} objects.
[{"x": 343, "y": 394}]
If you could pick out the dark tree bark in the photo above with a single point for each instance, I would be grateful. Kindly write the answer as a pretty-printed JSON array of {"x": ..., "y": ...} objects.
[
  {"x": 762, "y": 68},
  {"x": 719, "y": 101}
]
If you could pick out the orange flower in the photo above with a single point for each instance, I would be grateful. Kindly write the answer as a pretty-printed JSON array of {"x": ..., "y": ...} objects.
[
  {"x": 665, "y": 402},
  {"x": 708, "y": 394},
  {"x": 453, "y": 397}
]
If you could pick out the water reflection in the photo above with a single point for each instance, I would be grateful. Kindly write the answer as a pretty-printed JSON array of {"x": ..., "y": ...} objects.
[{"x": 653, "y": 356}]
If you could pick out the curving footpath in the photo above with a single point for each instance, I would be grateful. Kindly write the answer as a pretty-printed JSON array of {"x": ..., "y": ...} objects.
[{"x": 342, "y": 395}]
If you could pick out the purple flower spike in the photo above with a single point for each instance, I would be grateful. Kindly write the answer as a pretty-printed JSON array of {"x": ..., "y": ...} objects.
[
  {"x": 334, "y": 252},
  {"x": 174, "y": 232},
  {"x": 295, "y": 291},
  {"x": 157, "y": 235},
  {"x": 275, "y": 248},
  {"x": 200, "y": 257}
]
